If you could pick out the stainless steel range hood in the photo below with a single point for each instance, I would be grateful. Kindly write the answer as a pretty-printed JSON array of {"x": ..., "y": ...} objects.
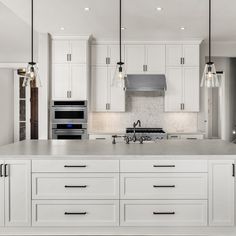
[{"x": 145, "y": 83}]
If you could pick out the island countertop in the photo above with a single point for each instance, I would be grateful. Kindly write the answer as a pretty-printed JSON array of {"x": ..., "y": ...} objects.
[{"x": 89, "y": 149}]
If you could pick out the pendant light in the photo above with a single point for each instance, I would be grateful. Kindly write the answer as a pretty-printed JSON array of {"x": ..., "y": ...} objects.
[
  {"x": 209, "y": 77},
  {"x": 119, "y": 77},
  {"x": 32, "y": 76}
]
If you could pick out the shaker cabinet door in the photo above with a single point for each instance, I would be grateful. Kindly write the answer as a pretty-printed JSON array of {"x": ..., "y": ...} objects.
[
  {"x": 191, "y": 55},
  {"x": 173, "y": 94},
  {"x": 191, "y": 89},
  {"x": 99, "y": 55},
  {"x": 221, "y": 193},
  {"x": 18, "y": 193},
  {"x": 61, "y": 81},
  {"x": 61, "y": 49},
  {"x": 173, "y": 55},
  {"x": 79, "y": 82},
  {"x": 78, "y": 52},
  {"x": 99, "y": 88}
]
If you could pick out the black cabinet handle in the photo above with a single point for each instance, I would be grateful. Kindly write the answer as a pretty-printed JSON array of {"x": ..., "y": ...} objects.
[
  {"x": 161, "y": 166},
  {"x": 163, "y": 213},
  {"x": 80, "y": 166},
  {"x": 233, "y": 166},
  {"x": 75, "y": 213},
  {"x": 1, "y": 170},
  {"x": 5, "y": 170},
  {"x": 75, "y": 186},
  {"x": 163, "y": 186}
]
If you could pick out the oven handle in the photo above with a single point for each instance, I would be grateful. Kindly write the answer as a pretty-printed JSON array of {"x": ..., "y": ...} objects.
[{"x": 69, "y": 108}]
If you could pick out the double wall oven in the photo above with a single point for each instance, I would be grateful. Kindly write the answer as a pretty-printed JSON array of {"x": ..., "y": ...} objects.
[{"x": 69, "y": 120}]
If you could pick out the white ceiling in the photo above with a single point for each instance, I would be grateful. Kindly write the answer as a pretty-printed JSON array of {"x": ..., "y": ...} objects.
[{"x": 140, "y": 17}]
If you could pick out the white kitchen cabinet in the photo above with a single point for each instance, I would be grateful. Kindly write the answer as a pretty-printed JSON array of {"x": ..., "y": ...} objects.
[
  {"x": 148, "y": 59},
  {"x": 2, "y": 216},
  {"x": 182, "y": 93},
  {"x": 221, "y": 193},
  {"x": 191, "y": 89},
  {"x": 174, "y": 92},
  {"x": 135, "y": 59},
  {"x": 69, "y": 69},
  {"x": 16, "y": 187},
  {"x": 106, "y": 55},
  {"x": 61, "y": 82},
  {"x": 182, "y": 55},
  {"x": 106, "y": 98}
]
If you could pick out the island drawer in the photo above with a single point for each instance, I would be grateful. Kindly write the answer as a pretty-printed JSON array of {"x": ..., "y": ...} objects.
[
  {"x": 75, "y": 213},
  {"x": 75, "y": 186},
  {"x": 163, "y": 213},
  {"x": 162, "y": 166},
  {"x": 75, "y": 166},
  {"x": 164, "y": 186}
]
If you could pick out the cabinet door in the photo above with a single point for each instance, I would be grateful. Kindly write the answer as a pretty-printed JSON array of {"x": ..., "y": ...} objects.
[
  {"x": 221, "y": 193},
  {"x": 135, "y": 59},
  {"x": 1, "y": 195},
  {"x": 78, "y": 82},
  {"x": 78, "y": 52},
  {"x": 191, "y": 55},
  {"x": 60, "y": 82},
  {"x": 191, "y": 89},
  {"x": 116, "y": 95},
  {"x": 173, "y": 94},
  {"x": 156, "y": 57},
  {"x": 114, "y": 54},
  {"x": 173, "y": 55},
  {"x": 99, "y": 55},
  {"x": 61, "y": 48},
  {"x": 99, "y": 88},
  {"x": 18, "y": 193}
]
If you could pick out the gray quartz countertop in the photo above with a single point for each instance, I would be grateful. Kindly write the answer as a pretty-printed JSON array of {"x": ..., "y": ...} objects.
[{"x": 56, "y": 149}]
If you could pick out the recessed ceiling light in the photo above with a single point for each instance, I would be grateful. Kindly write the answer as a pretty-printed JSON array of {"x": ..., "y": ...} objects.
[
  {"x": 87, "y": 9},
  {"x": 182, "y": 28},
  {"x": 159, "y": 8},
  {"x": 123, "y": 28},
  {"x": 62, "y": 28}
]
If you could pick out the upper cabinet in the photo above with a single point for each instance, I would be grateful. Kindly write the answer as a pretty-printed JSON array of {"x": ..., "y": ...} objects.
[
  {"x": 106, "y": 55},
  {"x": 148, "y": 59},
  {"x": 182, "y": 55},
  {"x": 105, "y": 97},
  {"x": 182, "y": 76},
  {"x": 69, "y": 69}
]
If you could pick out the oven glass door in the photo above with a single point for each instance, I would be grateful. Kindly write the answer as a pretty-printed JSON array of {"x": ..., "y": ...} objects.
[{"x": 64, "y": 115}]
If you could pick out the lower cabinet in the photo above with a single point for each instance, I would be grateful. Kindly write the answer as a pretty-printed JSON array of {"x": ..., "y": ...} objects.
[
  {"x": 75, "y": 213},
  {"x": 163, "y": 213},
  {"x": 15, "y": 193},
  {"x": 221, "y": 193}
]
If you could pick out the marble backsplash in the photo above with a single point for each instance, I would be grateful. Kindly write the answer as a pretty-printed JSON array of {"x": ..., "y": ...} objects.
[{"x": 147, "y": 107}]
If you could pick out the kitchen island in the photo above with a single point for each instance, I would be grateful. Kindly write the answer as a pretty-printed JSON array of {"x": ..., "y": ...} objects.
[{"x": 95, "y": 187}]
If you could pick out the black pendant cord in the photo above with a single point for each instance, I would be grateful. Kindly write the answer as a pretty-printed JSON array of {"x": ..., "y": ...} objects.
[
  {"x": 120, "y": 30},
  {"x": 209, "y": 31},
  {"x": 32, "y": 31}
]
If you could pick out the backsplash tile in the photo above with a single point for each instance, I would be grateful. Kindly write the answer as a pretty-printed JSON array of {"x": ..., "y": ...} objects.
[{"x": 147, "y": 107}]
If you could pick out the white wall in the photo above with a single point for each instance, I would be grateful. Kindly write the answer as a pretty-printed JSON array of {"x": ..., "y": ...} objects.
[{"x": 7, "y": 105}]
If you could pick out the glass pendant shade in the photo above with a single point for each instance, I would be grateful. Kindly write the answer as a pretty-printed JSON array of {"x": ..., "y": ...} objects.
[
  {"x": 119, "y": 77},
  {"x": 210, "y": 78},
  {"x": 31, "y": 77}
]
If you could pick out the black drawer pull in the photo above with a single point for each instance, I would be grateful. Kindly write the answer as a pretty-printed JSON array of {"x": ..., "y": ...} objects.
[
  {"x": 163, "y": 186},
  {"x": 163, "y": 213},
  {"x": 75, "y": 186},
  {"x": 5, "y": 170},
  {"x": 81, "y": 166},
  {"x": 75, "y": 213},
  {"x": 1, "y": 170},
  {"x": 164, "y": 166},
  {"x": 233, "y": 174}
]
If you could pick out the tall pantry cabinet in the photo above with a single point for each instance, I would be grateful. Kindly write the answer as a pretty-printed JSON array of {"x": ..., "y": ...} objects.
[{"x": 70, "y": 68}]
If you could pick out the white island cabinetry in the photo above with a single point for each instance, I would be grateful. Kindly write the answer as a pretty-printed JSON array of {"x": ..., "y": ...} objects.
[{"x": 15, "y": 193}]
